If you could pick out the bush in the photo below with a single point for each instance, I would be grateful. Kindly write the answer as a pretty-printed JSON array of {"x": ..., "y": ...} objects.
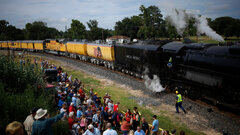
[
  {"x": 17, "y": 77},
  {"x": 22, "y": 88}
]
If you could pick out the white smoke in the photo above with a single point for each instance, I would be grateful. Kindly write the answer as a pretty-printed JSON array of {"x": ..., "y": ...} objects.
[
  {"x": 203, "y": 28},
  {"x": 179, "y": 18},
  {"x": 153, "y": 84}
]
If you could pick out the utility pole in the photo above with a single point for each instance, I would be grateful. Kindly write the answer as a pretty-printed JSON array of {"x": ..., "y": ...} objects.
[{"x": 102, "y": 35}]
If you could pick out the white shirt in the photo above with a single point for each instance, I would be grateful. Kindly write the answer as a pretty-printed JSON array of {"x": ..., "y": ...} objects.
[
  {"x": 89, "y": 101},
  {"x": 109, "y": 132},
  {"x": 110, "y": 106},
  {"x": 28, "y": 124},
  {"x": 95, "y": 132}
]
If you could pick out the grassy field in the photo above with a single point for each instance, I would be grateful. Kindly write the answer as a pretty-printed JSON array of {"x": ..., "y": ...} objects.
[
  {"x": 205, "y": 39},
  {"x": 118, "y": 94}
]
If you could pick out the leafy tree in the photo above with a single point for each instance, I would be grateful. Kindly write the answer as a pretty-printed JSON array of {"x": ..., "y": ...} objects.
[
  {"x": 95, "y": 32},
  {"x": 107, "y": 33},
  {"x": 92, "y": 24},
  {"x": 39, "y": 31},
  {"x": 129, "y": 26},
  {"x": 226, "y": 26},
  {"x": 9, "y": 32},
  {"x": 237, "y": 26},
  {"x": 77, "y": 30},
  {"x": 152, "y": 21},
  {"x": 171, "y": 30},
  {"x": 191, "y": 29}
]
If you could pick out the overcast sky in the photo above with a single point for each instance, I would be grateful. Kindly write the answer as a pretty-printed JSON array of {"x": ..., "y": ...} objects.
[{"x": 58, "y": 13}]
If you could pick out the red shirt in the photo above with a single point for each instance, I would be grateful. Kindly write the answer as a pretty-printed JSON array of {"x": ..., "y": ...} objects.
[
  {"x": 128, "y": 116},
  {"x": 106, "y": 108},
  {"x": 72, "y": 109},
  {"x": 115, "y": 108},
  {"x": 125, "y": 126},
  {"x": 70, "y": 122},
  {"x": 80, "y": 91}
]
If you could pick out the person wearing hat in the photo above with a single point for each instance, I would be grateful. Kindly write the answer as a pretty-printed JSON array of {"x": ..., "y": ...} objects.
[
  {"x": 155, "y": 125},
  {"x": 91, "y": 130},
  {"x": 72, "y": 108},
  {"x": 96, "y": 99},
  {"x": 179, "y": 102},
  {"x": 42, "y": 125},
  {"x": 29, "y": 121}
]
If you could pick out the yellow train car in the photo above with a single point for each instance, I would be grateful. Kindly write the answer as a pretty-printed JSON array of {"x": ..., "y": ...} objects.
[
  {"x": 17, "y": 45},
  {"x": 24, "y": 45},
  {"x": 39, "y": 45},
  {"x": 5, "y": 45},
  {"x": 101, "y": 51},
  {"x": 30, "y": 45},
  {"x": 53, "y": 45},
  {"x": 77, "y": 48},
  {"x": 63, "y": 48},
  {"x": 27, "y": 45},
  {"x": 11, "y": 45}
]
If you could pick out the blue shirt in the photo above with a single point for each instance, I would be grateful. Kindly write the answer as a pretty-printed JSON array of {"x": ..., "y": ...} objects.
[
  {"x": 95, "y": 118},
  {"x": 74, "y": 101},
  {"x": 139, "y": 133},
  {"x": 155, "y": 124},
  {"x": 95, "y": 98},
  {"x": 79, "y": 113},
  {"x": 71, "y": 95},
  {"x": 60, "y": 103},
  {"x": 43, "y": 126}
]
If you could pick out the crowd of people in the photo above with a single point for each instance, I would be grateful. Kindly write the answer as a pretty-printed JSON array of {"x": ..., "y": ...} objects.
[{"x": 86, "y": 112}]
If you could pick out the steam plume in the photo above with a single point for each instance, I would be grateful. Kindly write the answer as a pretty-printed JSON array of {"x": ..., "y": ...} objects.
[
  {"x": 179, "y": 17},
  {"x": 202, "y": 27},
  {"x": 153, "y": 84}
]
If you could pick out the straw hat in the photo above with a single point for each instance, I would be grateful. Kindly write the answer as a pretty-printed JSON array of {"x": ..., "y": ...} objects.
[
  {"x": 40, "y": 113},
  {"x": 90, "y": 126}
]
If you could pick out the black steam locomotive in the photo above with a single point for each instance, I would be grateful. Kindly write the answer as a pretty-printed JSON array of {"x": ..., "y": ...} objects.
[{"x": 208, "y": 72}]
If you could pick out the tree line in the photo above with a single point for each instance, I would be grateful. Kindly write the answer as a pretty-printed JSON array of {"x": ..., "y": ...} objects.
[{"x": 149, "y": 24}]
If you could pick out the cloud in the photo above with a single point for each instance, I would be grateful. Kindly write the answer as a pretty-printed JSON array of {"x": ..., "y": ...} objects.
[
  {"x": 59, "y": 13},
  {"x": 64, "y": 20}
]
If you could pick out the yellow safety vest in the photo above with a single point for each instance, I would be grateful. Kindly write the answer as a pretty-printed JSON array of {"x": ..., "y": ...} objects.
[
  {"x": 170, "y": 60},
  {"x": 179, "y": 98}
]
